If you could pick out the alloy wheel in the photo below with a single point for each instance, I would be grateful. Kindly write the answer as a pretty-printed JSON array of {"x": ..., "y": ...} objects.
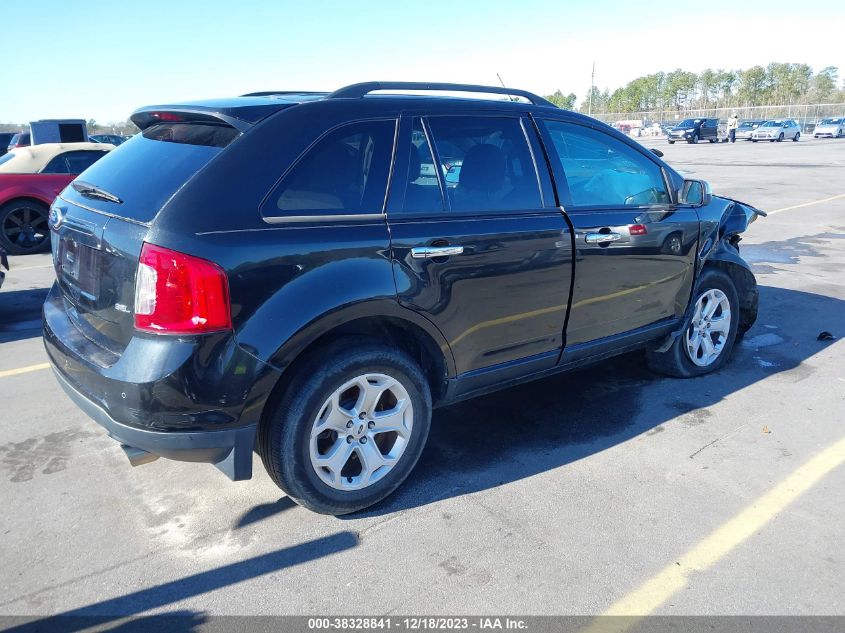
[
  {"x": 26, "y": 227},
  {"x": 361, "y": 432},
  {"x": 708, "y": 331}
]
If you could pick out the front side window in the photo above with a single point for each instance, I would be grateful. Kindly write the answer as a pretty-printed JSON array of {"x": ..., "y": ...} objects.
[
  {"x": 486, "y": 163},
  {"x": 602, "y": 171},
  {"x": 345, "y": 172}
]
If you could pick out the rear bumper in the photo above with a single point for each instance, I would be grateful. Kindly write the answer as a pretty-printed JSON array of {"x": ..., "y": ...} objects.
[
  {"x": 229, "y": 450},
  {"x": 196, "y": 399}
]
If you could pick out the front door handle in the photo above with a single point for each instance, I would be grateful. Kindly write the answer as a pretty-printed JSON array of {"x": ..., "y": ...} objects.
[
  {"x": 601, "y": 238},
  {"x": 429, "y": 252}
]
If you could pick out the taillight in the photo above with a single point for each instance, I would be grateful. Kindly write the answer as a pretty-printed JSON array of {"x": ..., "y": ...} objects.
[
  {"x": 180, "y": 294},
  {"x": 638, "y": 229}
]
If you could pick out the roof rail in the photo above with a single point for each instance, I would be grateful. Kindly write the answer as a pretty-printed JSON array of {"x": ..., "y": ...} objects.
[
  {"x": 359, "y": 90},
  {"x": 270, "y": 93}
]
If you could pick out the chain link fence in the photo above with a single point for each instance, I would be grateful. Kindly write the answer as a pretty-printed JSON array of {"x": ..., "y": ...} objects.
[{"x": 807, "y": 115}]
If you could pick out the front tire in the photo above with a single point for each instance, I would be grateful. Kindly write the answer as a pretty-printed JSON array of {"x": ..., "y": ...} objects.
[
  {"x": 707, "y": 341},
  {"x": 322, "y": 445},
  {"x": 780, "y": 138},
  {"x": 796, "y": 137}
]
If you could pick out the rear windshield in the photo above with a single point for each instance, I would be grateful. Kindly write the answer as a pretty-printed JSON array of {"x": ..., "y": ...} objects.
[{"x": 147, "y": 170}]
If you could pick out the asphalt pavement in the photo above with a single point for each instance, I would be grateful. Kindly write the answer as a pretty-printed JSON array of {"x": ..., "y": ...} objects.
[{"x": 606, "y": 490}]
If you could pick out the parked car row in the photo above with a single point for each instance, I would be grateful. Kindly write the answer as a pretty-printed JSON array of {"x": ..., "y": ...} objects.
[
  {"x": 11, "y": 140},
  {"x": 774, "y": 130}
]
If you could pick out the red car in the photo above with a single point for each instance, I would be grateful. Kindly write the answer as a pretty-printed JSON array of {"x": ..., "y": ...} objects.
[{"x": 30, "y": 179}]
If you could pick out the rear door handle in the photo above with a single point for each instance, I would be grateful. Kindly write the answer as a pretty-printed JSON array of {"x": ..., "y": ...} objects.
[
  {"x": 429, "y": 252},
  {"x": 601, "y": 238}
]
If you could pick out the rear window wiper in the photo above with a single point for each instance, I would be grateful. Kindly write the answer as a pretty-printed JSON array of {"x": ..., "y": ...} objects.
[{"x": 93, "y": 191}]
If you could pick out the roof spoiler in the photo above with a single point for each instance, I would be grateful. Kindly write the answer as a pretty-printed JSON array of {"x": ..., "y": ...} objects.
[
  {"x": 356, "y": 91},
  {"x": 145, "y": 117}
]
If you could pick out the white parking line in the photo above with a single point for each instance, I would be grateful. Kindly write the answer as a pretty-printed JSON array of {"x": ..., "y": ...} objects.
[{"x": 807, "y": 204}]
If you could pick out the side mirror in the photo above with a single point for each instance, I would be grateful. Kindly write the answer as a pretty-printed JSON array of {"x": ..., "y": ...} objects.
[{"x": 696, "y": 193}]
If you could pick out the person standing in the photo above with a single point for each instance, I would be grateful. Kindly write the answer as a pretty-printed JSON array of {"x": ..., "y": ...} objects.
[{"x": 733, "y": 123}]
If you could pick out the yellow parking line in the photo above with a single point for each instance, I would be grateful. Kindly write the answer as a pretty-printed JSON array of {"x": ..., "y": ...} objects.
[
  {"x": 649, "y": 596},
  {"x": 18, "y": 269},
  {"x": 23, "y": 370},
  {"x": 807, "y": 204}
]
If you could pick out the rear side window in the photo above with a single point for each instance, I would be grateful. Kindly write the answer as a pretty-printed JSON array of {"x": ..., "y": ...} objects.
[
  {"x": 147, "y": 170},
  {"x": 422, "y": 194},
  {"x": 72, "y": 162},
  {"x": 602, "y": 171},
  {"x": 486, "y": 162},
  {"x": 344, "y": 172}
]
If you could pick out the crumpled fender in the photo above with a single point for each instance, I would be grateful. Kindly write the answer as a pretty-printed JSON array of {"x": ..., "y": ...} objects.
[{"x": 721, "y": 223}]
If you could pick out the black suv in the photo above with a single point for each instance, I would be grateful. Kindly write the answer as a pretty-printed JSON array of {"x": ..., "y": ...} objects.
[
  {"x": 282, "y": 273},
  {"x": 694, "y": 130}
]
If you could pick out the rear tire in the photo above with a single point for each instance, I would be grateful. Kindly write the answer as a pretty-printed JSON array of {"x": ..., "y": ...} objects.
[
  {"x": 23, "y": 227},
  {"x": 327, "y": 471},
  {"x": 682, "y": 360}
]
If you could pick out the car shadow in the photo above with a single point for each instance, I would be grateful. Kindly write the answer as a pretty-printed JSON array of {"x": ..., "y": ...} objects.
[
  {"x": 98, "y": 615},
  {"x": 20, "y": 313},
  {"x": 525, "y": 430}
]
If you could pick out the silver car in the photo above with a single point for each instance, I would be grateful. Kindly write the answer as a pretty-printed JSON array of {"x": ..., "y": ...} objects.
[
  {"x": 743, "y": 132},
  {"x": 777, "y": 130},
  {"x": 833, "y": 128}
]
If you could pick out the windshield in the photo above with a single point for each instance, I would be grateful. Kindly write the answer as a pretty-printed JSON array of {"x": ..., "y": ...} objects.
[
  {"x": 772, "y": 124},
  {"x": 687, "y": 123},
  {"x": 830, "y": 122},
  {"x": 747, "y": 125}
]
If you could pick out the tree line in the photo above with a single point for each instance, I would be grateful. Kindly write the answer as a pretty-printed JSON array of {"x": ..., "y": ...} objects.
[{"x": 775, "y": 84}]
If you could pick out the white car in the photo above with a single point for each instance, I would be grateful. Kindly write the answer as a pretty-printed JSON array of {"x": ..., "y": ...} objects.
[
  {"x": 833, "y": 128},
  {"x": 746, "y": 128},
  {"x": 777, "y": 130}
]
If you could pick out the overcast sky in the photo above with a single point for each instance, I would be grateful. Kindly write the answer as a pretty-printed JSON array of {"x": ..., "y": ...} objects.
[{"x": 99, "y": 59}]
